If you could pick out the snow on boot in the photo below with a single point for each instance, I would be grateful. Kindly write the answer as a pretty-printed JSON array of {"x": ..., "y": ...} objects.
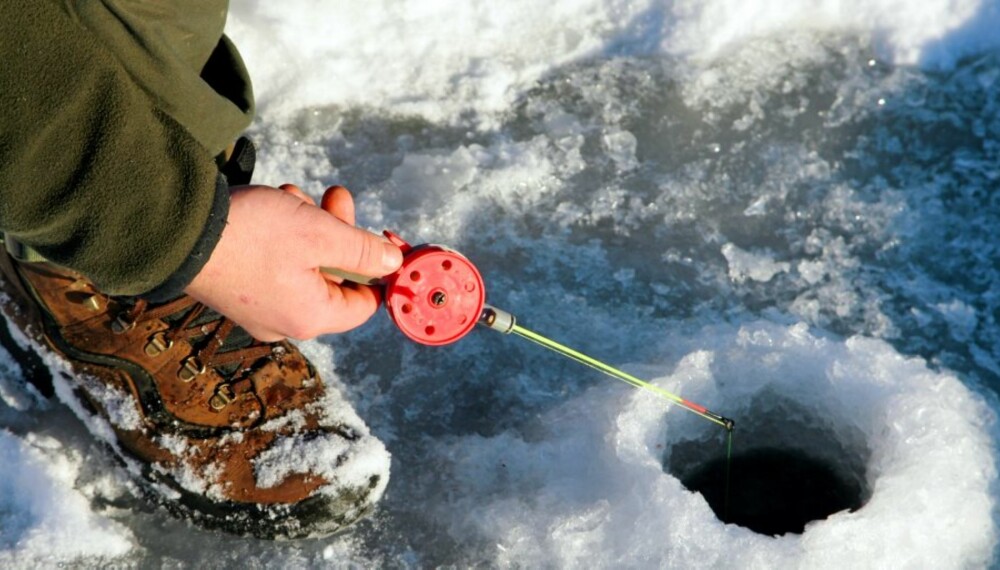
[{"x": 217, "y": 427}]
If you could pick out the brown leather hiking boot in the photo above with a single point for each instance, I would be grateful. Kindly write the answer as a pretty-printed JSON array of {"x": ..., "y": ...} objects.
[{"x": 234, "y": 433}]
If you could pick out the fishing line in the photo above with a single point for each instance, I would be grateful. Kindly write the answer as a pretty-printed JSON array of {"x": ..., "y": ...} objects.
[
  {"x": 505, "y": 322},
  {"x": 513, "y": 328},
  {"x": 729, "y": 465}
]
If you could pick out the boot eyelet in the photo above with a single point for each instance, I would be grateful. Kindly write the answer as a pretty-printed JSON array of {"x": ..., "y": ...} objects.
[
  {"x": 223, "y": 396},
  {"x": 191, "y": 368},
  {"x": 121, "y": 325},
  {"x": 158, "y": 344},
  {"x": 93, "y": 303}
]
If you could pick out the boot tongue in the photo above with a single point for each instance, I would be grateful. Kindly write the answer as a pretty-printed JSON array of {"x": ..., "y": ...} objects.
[{"x": 236, "y": 339}]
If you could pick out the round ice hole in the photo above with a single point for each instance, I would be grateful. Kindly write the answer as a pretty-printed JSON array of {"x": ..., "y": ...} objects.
[
  {"x": 789, "y": 467},
  {"x": 774, "y": 491}
]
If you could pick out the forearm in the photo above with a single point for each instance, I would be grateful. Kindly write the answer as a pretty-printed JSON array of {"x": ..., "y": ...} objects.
[{"x": 94, "y": 174}]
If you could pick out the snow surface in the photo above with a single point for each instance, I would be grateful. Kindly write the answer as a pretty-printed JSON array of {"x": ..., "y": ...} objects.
[
  {"x": 785, "y": 211},
  {"x": 44, "y": 518}
]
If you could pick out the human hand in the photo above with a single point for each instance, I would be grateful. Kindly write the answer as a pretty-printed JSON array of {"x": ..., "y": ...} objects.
[{"x": 264, "y": 273}]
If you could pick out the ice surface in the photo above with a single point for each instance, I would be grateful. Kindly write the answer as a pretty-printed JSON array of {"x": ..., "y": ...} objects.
[{"x": 783, "y": 210}]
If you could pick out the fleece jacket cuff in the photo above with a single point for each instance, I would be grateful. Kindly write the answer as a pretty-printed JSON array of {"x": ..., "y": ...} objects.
[{"x": 175, "y": 284}]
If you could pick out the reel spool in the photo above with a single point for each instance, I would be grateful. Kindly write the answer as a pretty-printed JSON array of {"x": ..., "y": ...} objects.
[{"x": 437, "y": 295}]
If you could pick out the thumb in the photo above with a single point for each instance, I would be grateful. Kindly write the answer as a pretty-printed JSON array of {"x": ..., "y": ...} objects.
[{"x": 358, "y": 251}]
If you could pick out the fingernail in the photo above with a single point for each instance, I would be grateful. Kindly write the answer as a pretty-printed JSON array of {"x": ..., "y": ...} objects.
[{"x": 392, "y": 258}]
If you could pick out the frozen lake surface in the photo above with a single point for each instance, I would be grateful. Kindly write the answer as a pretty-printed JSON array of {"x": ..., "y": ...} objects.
[{"x": 785, "y": 211}]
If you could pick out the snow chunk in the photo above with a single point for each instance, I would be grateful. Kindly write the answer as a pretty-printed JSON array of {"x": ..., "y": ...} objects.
[
  {"x": 204, "y": 480},
  {"x": 343, "y": 463},
  {"x": 121, "y": 407},
  {"x": 300, "y": 454}
]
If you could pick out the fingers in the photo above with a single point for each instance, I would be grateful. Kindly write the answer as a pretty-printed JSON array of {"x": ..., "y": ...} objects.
[
  {"x": 347, "y": 305},
  {"x": 298, "y": 193},
  {"x": 328, "y": 309},
  {"x": 340, "y": 308},
  {"x": 351, "y": 305},
  {"x": 338, "y": 201},
  {"x": 264, "y": 335}
]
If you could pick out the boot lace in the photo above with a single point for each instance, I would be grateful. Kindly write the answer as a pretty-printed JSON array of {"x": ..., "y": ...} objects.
[{"x": 216, "y": 340}]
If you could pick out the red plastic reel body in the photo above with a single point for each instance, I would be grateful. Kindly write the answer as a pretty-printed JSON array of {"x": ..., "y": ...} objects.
[{"x": 437, "y": 295}]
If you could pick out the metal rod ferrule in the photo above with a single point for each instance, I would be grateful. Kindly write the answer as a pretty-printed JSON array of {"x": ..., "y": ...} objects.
[{"x": 497, "y": 319}]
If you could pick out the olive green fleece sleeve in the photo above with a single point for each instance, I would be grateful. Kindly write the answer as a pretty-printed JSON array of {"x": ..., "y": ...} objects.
[{"x": 97, "y": 171}]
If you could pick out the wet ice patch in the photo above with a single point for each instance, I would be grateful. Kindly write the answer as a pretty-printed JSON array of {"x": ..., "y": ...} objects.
[
  {"x": 592, "y": 484},
  {"x": 961, "y": 318},
  {"x": 44, "y": 520},
  {"x": 14, "y": 389},
  {"x": 428, "y": 179}
]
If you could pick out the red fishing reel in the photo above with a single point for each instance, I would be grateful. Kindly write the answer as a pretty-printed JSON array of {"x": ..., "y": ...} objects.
[{"x": 437, "y": 295}]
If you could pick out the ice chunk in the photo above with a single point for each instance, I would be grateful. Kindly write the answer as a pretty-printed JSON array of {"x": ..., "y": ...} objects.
[
  {"x": 621, "y": 146},
  {"x": 745, "y": 265},
  {"x": 961, "y": 318}
]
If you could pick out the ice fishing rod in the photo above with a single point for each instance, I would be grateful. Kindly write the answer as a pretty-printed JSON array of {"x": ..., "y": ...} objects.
[{"x": 438, "y": 296}]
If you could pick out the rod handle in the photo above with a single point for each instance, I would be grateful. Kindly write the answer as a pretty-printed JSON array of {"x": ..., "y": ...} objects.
[{"x": 352, "y": 277}]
